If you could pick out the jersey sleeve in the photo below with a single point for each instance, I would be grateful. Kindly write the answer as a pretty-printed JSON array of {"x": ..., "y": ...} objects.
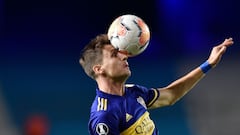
[
  {"x": 104, "y": 124},
  {"x": 150, "y": 95}
]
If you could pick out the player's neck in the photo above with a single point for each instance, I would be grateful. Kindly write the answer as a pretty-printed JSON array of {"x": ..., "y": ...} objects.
[{"x": 111, "y": 87}]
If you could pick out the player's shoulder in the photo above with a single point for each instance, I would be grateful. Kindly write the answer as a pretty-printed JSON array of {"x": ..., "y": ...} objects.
[
  {"x": 106, "y": 106},
  {"x": 104, "y": 115}
]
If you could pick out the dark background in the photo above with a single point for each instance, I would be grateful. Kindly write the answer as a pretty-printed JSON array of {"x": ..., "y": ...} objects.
[{"x": 40, "y": 43}]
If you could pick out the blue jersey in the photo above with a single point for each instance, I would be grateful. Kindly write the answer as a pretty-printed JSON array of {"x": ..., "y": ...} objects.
[{"x": 123, "y": 115}]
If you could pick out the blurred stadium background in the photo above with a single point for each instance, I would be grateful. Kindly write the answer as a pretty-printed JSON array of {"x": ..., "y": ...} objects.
[{"x": 43, "y": 88}]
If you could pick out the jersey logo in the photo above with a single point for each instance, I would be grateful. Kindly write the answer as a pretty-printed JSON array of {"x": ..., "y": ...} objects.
[
  {"x": 102, "y": 104},
  {"x": 102, "y": 129},
  {"x": 128, "y": 117},
  {"x": 141, "y": 101},
  {"x": 143, "y": 126}
]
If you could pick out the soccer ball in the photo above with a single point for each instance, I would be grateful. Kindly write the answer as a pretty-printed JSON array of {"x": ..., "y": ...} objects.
[{"x": 129, "y": 33}]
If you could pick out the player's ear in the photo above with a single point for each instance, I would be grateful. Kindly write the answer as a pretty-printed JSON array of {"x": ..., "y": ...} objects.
[{"x": 97, "y": 69}]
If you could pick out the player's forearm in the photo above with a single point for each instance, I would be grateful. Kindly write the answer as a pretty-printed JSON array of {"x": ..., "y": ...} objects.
[{"x": 183, "y": 85}]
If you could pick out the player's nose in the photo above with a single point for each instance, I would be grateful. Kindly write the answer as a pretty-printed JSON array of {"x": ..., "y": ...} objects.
[{"x": 123, "y": 55}]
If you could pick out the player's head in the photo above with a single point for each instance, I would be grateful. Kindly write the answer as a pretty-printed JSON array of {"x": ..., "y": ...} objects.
[
  {"x": 92, "y": 54},
  {"x": 99, "y": 57}
]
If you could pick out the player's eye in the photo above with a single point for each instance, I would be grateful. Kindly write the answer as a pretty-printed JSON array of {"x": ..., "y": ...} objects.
[{"x": 114, "y": 52}]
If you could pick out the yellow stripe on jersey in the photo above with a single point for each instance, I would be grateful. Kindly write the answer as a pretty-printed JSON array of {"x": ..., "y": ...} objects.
[
  {"x": 154, "y": 99},
  {"x": 102, "y": 104},
  {"x": 105, "y": 105},
  {"x": 143, "y": 126}
]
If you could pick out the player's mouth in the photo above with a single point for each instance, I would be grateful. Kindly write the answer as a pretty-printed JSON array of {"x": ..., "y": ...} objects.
[{"x": 127, "y": 66}]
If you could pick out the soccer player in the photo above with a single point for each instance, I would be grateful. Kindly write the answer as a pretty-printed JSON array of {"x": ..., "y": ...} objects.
[{"x": 123, "y": 109}]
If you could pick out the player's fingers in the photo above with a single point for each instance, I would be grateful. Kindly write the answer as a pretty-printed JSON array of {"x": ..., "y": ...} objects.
[{"x": 228, "y": 42}]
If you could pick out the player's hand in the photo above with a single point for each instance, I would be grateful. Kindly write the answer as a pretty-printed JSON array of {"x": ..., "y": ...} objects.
[{"x": 218, "y": 51}]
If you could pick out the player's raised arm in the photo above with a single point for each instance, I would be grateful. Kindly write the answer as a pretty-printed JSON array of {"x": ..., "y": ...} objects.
[{"x": 177, "y": 89}]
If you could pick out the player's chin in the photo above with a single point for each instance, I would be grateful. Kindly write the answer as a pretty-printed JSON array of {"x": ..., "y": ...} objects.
[{"x": 127, "y": 74}]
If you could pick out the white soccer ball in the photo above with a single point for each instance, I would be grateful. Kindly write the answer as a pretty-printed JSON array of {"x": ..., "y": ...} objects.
[{"x": 129, "y": 33}]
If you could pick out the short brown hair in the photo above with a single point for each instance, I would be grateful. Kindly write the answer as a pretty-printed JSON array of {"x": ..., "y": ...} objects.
[{"x": 92, "y": 54}]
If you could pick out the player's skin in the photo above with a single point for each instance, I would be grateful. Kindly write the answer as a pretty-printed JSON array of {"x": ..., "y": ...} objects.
[{"x": 113, "y": 72}]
